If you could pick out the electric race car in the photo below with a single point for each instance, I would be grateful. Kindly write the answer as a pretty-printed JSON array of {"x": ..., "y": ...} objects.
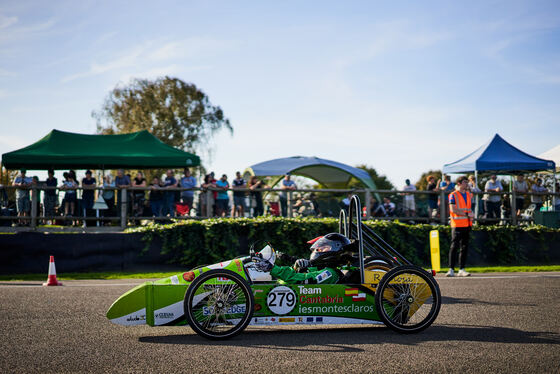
[{"x": 220, "y": 300}]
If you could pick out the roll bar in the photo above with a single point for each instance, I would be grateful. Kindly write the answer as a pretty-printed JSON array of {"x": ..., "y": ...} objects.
[{"x": 367, "y": 238}]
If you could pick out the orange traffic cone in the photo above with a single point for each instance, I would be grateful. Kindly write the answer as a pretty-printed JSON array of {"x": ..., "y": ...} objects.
[{"x": 51, "y": 280}]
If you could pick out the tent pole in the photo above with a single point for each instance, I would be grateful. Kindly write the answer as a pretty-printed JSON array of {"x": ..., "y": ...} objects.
[
  {"x": 554, "y": 190},
  {"x": 512, "y": 201},
  {"x": 477, "y": 196}
]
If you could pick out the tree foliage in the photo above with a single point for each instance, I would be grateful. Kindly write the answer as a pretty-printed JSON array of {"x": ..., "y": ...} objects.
[
  {"x": 381, "y": 181},
  {"x": 176, "y": 112}
]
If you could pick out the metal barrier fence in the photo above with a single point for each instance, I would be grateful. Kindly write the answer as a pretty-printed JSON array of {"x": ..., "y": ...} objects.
[{"x": 130, "y": 206}]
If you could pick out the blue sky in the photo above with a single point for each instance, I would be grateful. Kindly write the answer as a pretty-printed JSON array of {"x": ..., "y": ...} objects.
[{"x": 403, "y": 88}]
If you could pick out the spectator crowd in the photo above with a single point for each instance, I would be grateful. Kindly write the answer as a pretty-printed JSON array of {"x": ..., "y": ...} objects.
[{"x": 171, "y": 196}]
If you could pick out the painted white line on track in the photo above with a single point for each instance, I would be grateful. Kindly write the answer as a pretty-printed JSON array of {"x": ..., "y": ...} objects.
[
  {"x": 71, "y": 285},
  {"x": 502, "y": 277}
]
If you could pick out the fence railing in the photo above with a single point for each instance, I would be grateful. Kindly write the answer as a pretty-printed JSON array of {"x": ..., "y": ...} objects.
[{"x": 124, "y": 207}]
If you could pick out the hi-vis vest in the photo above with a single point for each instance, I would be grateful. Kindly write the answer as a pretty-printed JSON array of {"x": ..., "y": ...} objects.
[{"x": 463, "y": 207}]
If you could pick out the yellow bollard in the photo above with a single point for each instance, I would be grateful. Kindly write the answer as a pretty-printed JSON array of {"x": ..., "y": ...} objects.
[{"x": 434, "y": 250}]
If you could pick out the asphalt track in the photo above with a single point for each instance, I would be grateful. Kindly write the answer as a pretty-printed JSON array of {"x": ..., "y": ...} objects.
[{"x": 502, "y": 323}]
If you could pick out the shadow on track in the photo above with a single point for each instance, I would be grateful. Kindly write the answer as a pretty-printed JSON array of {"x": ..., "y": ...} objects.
[
  {"x": 461, "y": 300},
  {"x": 343, "y": 339}
]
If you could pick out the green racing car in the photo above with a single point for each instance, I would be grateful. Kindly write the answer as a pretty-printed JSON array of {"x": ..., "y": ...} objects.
[{"x": 219, "y": 301}]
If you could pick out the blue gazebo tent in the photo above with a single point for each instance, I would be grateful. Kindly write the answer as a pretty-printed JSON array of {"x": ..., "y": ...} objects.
[
  {"x": 330, "y": 174},
  {"x": 499, "y": 156}
]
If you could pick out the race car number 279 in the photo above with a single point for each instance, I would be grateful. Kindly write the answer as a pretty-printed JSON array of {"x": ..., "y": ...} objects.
[{"x": 281, "y": 300}]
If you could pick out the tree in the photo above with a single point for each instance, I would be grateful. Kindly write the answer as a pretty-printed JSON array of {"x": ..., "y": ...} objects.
[
  {"x": 422, "y": 183},
  {"x": 176, "y": 112},
  {"x": 381, "y": 181}
]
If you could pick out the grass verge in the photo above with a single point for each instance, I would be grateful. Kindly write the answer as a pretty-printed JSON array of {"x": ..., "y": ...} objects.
[{"x": 129, "y": 275}]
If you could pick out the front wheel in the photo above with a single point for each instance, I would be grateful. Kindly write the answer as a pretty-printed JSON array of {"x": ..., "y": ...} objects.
[
  {"x": 407, "y": 299},
  {"x": 219, "y": 304}
]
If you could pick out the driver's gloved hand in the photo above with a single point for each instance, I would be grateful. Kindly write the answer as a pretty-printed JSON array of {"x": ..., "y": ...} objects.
[
  {"x": 262, "y": 265},
  {"x": 285, "y": 258},
  {"x": 301, "y": 265}
]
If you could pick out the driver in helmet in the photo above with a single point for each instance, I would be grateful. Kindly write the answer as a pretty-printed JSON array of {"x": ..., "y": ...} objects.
[{"x": 303, "y": 270}]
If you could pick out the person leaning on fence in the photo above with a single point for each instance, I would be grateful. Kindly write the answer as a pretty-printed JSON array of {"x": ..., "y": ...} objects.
[
  {"x": 473, "y": 189},
  {"x": 109, "y": 197},
  {"x": 187, "y": 181},
  {"x": 409, "y": 201},
  {"x": 239, "y": 205},
  {"x": 492, "y": 202},
  {"x": 222, "y": 201},
  {"x": 286, "y": 185},
  {"x": 69, "y": 185},
  {"x": 460, "y": 210},
  {"x": 538, "y": 199},
  {"x": 22, "y": 195},
  {"x": 520, "y": 187},
  {"x": 156, "y": 197},
  {"x": 169, "y": 182},
  {"x": 50, "y": 197},
  {"x": 88, "y": 194},
  {"x": 121, "y": 181},
  {"x": 432, "y": 198},
  {"x": 255, "y": 184}
]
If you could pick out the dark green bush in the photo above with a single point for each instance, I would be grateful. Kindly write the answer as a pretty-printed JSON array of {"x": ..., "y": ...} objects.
[{"x": 193, "y": 242}]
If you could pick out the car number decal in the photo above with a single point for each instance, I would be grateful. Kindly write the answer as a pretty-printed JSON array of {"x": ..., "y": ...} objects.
[{"x": 281, "y": 300}]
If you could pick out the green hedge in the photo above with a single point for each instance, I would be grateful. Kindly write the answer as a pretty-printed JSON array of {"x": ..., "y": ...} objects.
[{"x": 193, "y": 242}]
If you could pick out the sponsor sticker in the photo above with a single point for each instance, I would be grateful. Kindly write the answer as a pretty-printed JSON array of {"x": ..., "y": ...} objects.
[
  {"x": 174, "y": 280},
  {"x": 359, "y": 297},
  {"x": 321, "y": 277},
  {"x": 234, "y": 309},
  {"x": 164, "y": 315},
  {"x": 319, "y": 319},
  {"x": 351, "y": 291},
  {"x": 284, "y": 319}
]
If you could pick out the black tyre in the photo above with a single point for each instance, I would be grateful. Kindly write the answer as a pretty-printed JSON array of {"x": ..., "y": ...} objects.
[
  {"x": 219, "y": 304},
  {"x": 407, "y": 299}
]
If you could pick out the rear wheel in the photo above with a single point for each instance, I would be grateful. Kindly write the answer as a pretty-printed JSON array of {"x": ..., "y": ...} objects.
[
  {"x": 407, "y": 299},
  {"x": 219, "y": 304}
]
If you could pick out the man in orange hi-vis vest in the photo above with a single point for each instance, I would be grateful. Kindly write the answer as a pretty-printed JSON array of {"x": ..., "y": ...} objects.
[{"x": 461, "y": 222}]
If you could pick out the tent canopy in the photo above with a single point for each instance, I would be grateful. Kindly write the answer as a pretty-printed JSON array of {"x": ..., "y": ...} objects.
[
  {"x": 66, "y": 150},
  {"x": 330, "y": 174},
  {"x": 498, "y": 155},
  {"x": 554, "y": 155}
]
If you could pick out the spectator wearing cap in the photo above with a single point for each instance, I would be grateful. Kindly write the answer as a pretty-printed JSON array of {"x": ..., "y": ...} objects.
[
  {"x": 187, "y": 181},
  {"x": 22, "y": 195},
  {"x": 287, "y": 185},
  {"x": 50, "y": 197},
  {"x": 88, "y": 194}
]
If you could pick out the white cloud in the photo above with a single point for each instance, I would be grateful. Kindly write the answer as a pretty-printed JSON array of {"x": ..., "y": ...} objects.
[
  {"x": 7, "y": 74},
  {"x": 142, "y": 57},
  {"x": 18, "y": 33},
  {"x": 6, "y": 21},
  {"x": 391, "y": 37}
]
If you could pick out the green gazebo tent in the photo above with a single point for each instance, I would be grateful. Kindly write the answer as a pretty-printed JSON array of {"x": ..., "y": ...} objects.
[{"x": 66, "y": 150}]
